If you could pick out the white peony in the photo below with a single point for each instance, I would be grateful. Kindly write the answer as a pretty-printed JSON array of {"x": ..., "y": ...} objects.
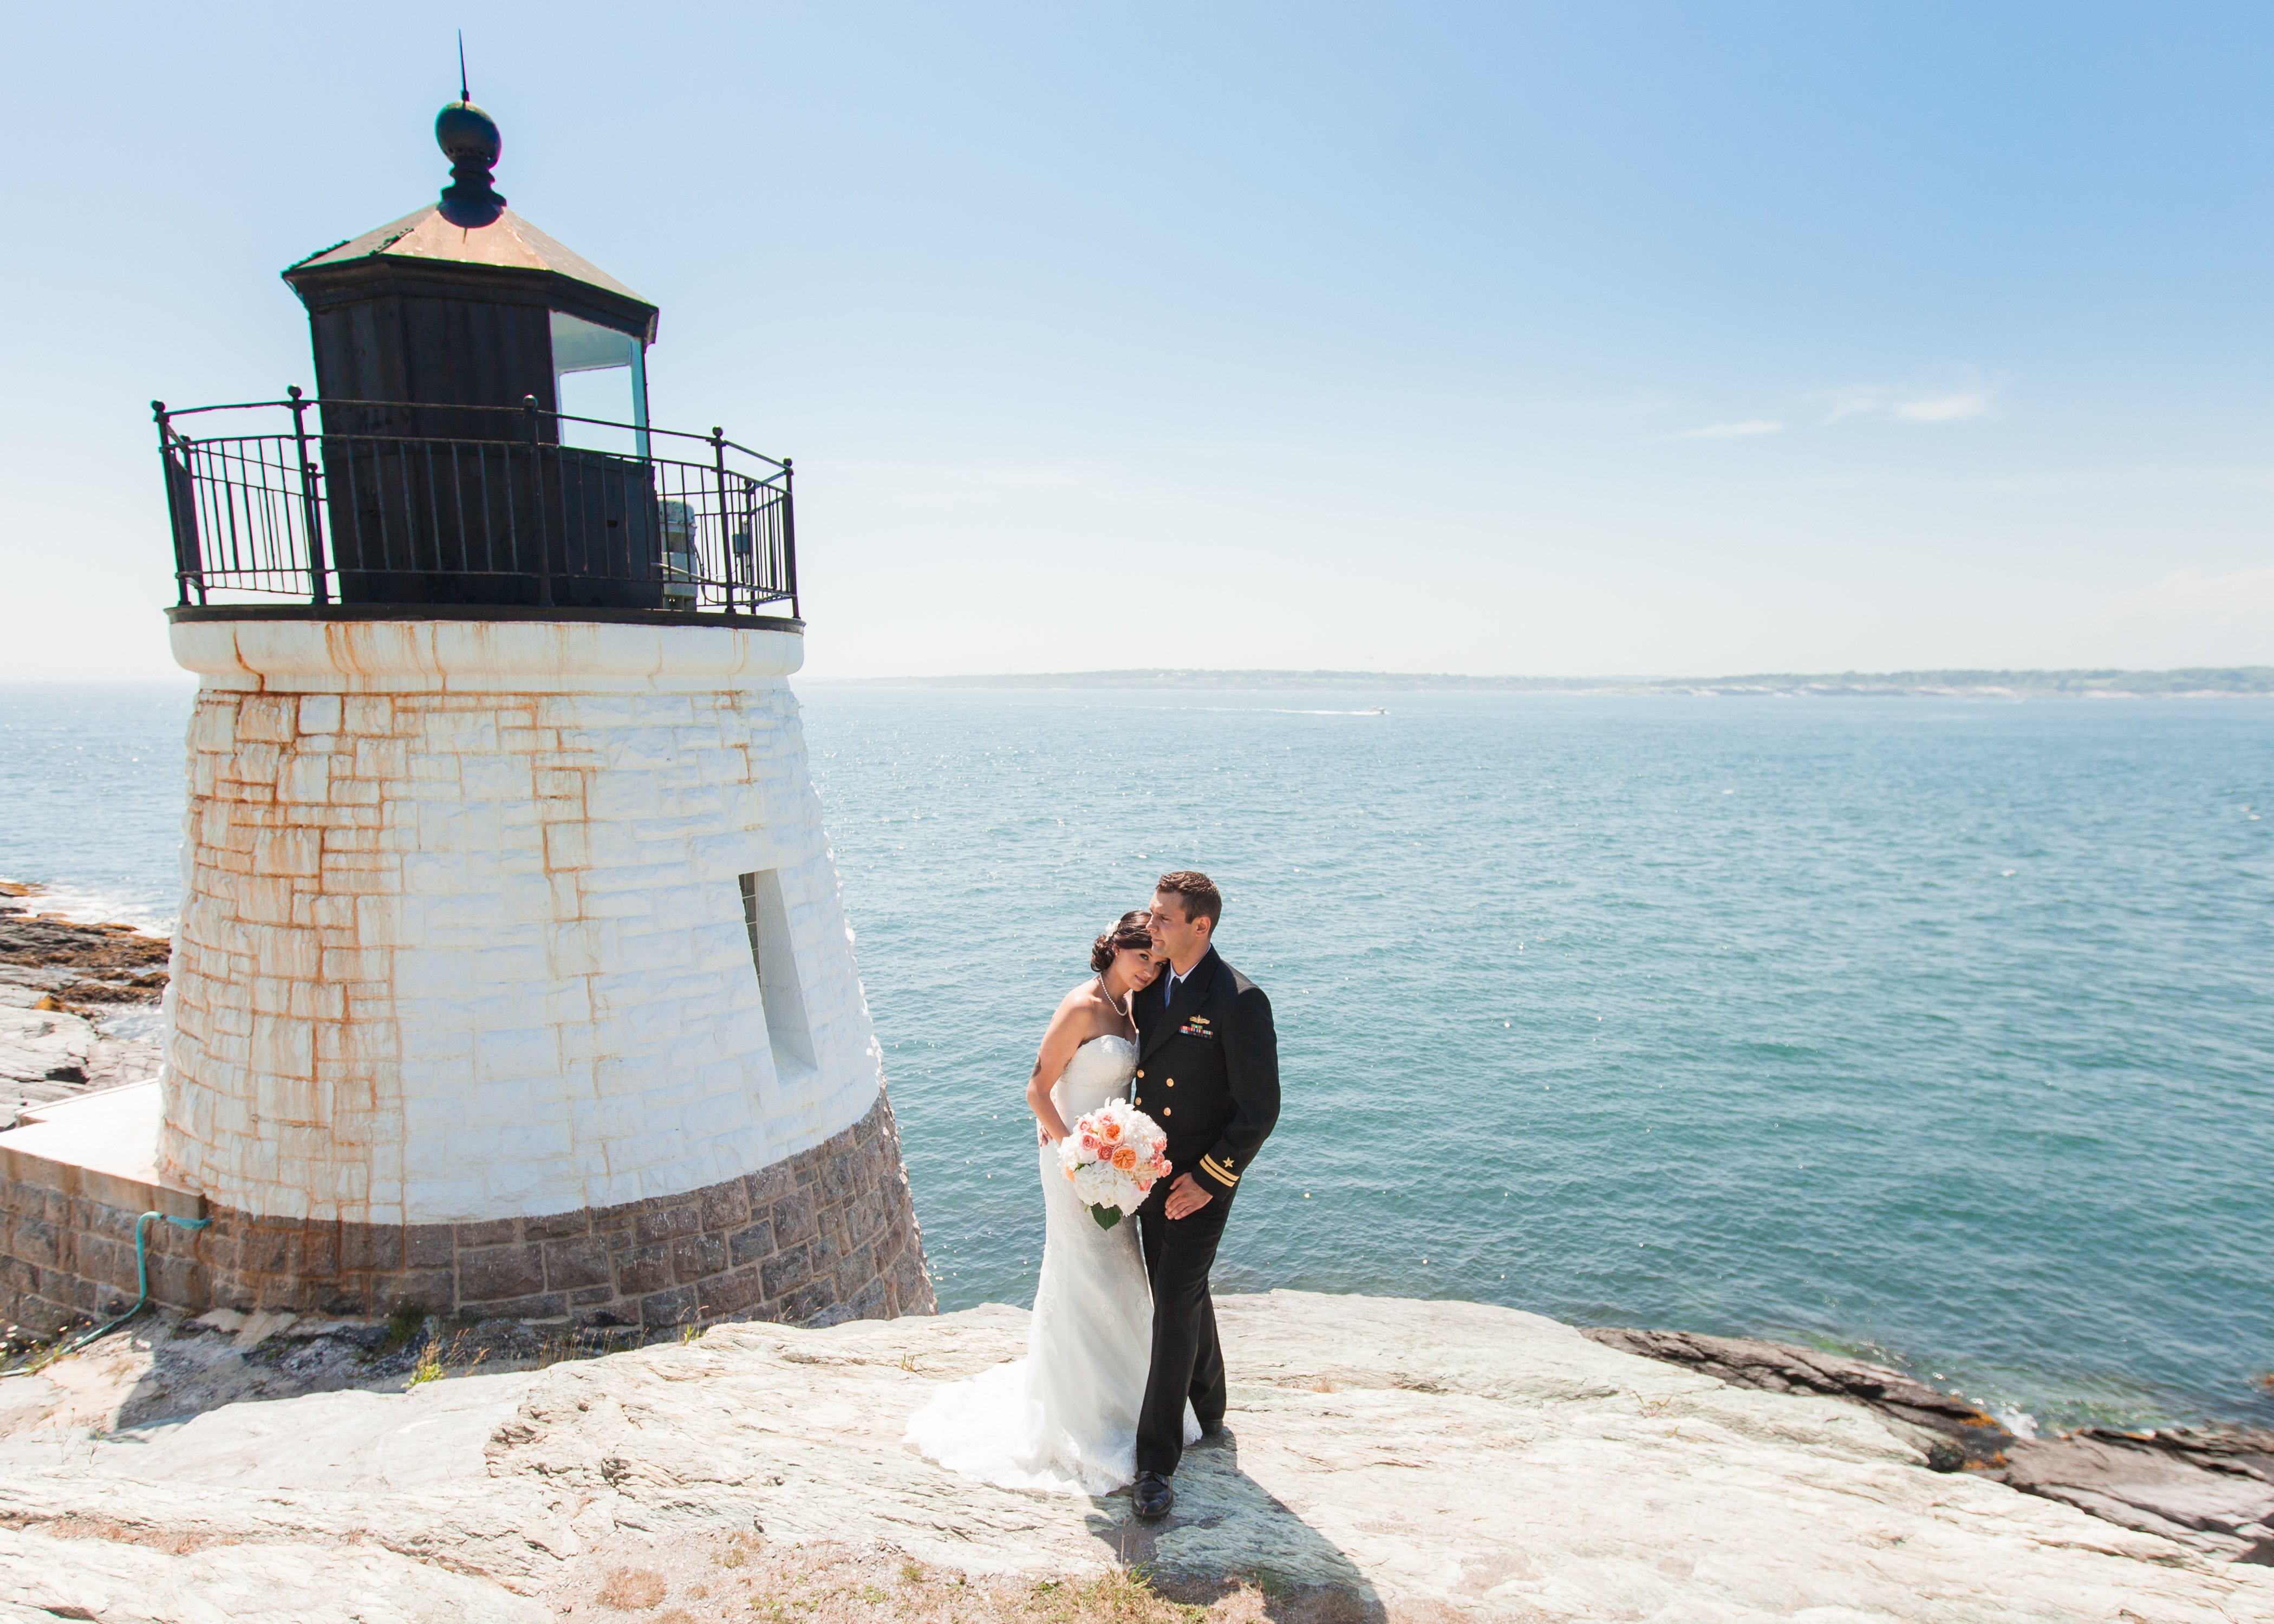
[
  {"x": 1103, "y": 1188},
  {"x": 1098, "y": 1184}
]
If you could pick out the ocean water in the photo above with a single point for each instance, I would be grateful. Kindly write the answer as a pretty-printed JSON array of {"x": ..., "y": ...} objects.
[
  {"x": 90, "y": 796},
  {"x": 1938, "y": 1030}
]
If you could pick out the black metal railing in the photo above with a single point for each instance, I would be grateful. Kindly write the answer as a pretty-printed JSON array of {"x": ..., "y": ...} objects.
[{"x": 382, "y": 502}]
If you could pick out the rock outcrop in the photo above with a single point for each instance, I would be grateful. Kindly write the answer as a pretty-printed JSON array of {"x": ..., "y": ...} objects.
[
  {"x": 116, "y": 957},
  {"x": 61, "y": 984},
  {"x": 2210, "y": 1489},
  {"x": 1406, "y": 1460}
]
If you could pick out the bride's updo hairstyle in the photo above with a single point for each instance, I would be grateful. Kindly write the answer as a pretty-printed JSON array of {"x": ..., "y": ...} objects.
[{"x": 1129, "y": 932}]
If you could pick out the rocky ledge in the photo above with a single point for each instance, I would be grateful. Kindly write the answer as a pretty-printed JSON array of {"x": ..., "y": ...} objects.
[
  {"x": 1385, "y": 1460},
  {"x": 62, "y": 986},
  {"x": 2209, "y": 1489}
]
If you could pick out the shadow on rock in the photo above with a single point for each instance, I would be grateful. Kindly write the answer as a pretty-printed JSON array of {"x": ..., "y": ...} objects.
[
  {"x": 168, "y": 1369},
  {"x": 1228, "y": 1533}
]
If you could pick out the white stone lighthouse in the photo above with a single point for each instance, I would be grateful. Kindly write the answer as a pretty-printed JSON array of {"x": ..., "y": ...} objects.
[{"x": 512, "y": 975}]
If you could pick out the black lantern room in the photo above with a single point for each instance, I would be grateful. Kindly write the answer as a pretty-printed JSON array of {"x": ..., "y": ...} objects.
[
  {"x": 480, "y": 440},
  {"x": 461, "y": 323},
  {"x": 466, "y": 303}
]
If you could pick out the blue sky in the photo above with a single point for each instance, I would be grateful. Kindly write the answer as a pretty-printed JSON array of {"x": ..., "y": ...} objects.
[{"x": 1594, "y": 338}]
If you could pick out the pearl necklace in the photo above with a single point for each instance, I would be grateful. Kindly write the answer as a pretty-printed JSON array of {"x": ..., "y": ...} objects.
[{"x": 1103, "y": 991}]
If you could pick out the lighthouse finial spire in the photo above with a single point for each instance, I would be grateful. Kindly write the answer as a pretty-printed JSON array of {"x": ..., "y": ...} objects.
[{"x": 469, "y": 138}]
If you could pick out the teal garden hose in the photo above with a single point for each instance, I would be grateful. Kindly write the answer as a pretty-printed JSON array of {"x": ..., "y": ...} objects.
[{"x": 142, "y": 1277}]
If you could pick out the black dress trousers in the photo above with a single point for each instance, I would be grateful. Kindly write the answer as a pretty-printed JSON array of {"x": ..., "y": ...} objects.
[
  {"x": 1187, "y": 1360},
  {"x": 1208, "y": 1074}
]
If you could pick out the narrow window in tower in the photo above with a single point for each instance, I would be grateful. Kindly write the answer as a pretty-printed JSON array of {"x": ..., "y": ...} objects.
[{"x": 775, "y": 959}]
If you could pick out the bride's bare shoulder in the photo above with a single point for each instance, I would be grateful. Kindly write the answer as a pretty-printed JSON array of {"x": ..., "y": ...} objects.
[
  {"x": 1080, "y": 1003},
  {"x": 1083, "y": 1012}
]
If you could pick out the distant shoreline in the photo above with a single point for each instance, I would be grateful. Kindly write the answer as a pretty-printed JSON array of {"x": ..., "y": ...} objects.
[
  {"x": 2184, "y": 682},
  {"x": 2190, "y": 682}
]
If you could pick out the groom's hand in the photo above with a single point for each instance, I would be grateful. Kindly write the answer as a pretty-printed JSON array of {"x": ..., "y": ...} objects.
[{"x": 1186, "y": 1197}]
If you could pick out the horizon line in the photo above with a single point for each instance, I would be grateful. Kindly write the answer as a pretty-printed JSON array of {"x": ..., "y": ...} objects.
[
  {"x": 2078, "y": 679},
  {"x": 2247, "y": 680}
]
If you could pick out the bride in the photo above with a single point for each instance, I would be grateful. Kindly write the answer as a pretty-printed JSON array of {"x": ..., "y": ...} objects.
[{"x": 1064, "y": 1418}]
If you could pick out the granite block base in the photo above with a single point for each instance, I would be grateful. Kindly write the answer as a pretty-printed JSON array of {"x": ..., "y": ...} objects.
[{"x": 827, "y": 1235}]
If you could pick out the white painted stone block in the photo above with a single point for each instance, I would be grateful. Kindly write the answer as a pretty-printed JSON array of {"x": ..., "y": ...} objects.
[{"x": 465, "y": 898}]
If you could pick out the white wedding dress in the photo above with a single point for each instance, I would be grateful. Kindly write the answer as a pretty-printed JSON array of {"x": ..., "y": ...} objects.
[{"x": 1063, "y": 1418}]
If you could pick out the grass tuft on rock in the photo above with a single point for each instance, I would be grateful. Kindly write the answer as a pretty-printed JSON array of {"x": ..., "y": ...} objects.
[
  {"x": 633, "y": 1590},
  {"x": 743, "y": 1577}
]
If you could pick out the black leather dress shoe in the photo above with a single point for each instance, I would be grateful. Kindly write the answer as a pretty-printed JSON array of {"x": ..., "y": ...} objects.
[{"x": 1154, "y": 1496}]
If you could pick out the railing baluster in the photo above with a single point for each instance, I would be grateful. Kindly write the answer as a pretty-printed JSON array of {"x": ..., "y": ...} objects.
[
  {"x": 725, "y": 547},
  {"x": 489, "y": 528},
  {"x": 355, "y": 504},
  {"x": 310, "y": 523},
  {"x": 513, "y": 514},
  {"x": 380, "y": 465},
  {"x": 274, "y": 554},
  {"x": 209, "y": 520},
  {"x": 458, "y": 505},
  {"x": 229, "y": 490},
  {"x": 537, "y": 484},
  {"x": 789, "y": 537},
  {"x": 433, "y": 507},
  {"x": 569, "y": 560},
  {"x": 187, "y": 561}
]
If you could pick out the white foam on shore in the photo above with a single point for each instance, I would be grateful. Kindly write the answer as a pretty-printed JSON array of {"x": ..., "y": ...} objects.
[
  {"x": 84, "y": 906},
  {"x": 2020, "y": 1423}
]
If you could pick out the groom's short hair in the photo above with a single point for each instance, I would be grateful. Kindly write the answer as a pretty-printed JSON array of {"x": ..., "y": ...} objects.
[{"x": 1200, "y": 897}]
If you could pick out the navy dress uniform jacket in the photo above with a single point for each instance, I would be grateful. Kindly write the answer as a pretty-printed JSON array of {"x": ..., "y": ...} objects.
[{"x": 1208, "y": 1071}]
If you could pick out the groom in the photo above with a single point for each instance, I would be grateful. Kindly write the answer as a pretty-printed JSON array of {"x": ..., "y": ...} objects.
[{"x": 1208, "y": 1071}]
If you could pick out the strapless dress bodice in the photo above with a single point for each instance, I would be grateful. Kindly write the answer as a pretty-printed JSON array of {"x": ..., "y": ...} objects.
[{"x": 1099, "y": 1070}]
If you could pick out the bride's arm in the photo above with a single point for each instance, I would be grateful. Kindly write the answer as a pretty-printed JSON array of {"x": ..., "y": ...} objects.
[{"x": 1064, "y": 1037}]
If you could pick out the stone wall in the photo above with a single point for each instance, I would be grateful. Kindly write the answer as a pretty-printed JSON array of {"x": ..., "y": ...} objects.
[{"x": 825, "y": 1235}]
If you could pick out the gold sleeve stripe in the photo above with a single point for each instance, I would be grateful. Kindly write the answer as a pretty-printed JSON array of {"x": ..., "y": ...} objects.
[{"x": 1209, "y": 1165}]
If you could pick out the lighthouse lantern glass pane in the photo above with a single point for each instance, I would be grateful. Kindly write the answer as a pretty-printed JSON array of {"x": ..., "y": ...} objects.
[{"x": 598, "y": 373}]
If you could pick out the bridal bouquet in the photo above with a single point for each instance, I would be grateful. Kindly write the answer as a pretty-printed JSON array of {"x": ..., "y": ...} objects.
[{"x": 1112, "y": 1156}]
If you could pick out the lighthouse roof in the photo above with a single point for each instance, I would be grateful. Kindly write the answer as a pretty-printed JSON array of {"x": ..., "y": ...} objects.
[{"x": 508, "y": 258}]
